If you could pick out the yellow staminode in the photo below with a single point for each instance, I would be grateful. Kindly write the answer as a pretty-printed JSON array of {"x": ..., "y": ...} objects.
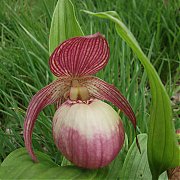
[{"x": 77, "y": 92}]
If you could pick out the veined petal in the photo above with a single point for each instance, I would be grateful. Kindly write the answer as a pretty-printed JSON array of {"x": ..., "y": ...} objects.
[
  {"x": 104, "y": 91},
  {"x": 48, "y": 95},
  {"x": 80, "y": 56}
]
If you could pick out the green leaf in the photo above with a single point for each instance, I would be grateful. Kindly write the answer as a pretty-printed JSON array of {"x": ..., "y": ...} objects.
[
  {"x": 136, "y": 165},
  {"x": 18, "y": 165},
  {"x": 64, "y": 24},
  {"x": 163, "y": 150}
]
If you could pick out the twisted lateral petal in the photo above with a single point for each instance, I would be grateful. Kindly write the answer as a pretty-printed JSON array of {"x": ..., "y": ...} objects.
[
  {"x": 48, "y": 95},
  {"x": 80, "y": 56},
  {"x": 104, "y": 91}
]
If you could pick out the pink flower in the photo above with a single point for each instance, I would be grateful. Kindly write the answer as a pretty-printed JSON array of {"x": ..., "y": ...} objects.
[{"x": 86, "y": 130}]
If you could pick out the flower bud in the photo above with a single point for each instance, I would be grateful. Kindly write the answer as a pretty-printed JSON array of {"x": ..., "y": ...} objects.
[{"x": 88, "y": 134}]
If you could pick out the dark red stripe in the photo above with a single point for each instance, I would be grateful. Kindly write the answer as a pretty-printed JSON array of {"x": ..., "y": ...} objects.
[{"x": 80, "y": 56}]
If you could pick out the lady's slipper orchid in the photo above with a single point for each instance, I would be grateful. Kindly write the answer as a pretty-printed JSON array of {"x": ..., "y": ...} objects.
[{"x": 86, "y": 130}]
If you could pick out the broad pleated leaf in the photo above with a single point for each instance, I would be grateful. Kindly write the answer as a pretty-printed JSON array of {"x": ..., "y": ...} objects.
[
  {"x": 80, "y": 56},
  {"x": 64, "y": 24},
  {"x": 163, "y": 151},
  {"x": 48, "y": 95},
  {"x": 136, "y": 165},
  {"x": 18, "y": 165}
]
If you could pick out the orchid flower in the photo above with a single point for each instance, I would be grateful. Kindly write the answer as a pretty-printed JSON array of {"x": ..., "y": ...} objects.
[{"x": 86, "y": 130}]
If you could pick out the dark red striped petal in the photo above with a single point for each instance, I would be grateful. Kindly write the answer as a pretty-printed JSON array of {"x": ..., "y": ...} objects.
[
  {"x": 104, "y": 91},
  {"x": 80, "y": 56},
  {"x": 48, "y": 95}
]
